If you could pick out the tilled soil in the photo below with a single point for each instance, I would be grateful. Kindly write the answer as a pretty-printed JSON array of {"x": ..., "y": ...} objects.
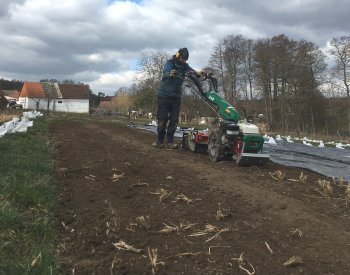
[{"x": 122, "y": 202}]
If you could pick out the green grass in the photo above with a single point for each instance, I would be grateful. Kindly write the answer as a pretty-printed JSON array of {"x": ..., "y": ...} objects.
[{"x": 27, "y": 199}]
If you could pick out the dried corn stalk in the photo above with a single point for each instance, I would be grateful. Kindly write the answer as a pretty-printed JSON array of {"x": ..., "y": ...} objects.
[
  {"x": 327, "y": 188},
  {"x": 244, "y": 265},
  {"x": 297, "y": 232},
  {"x": 208, "y": 229},
  {"x": 217, "y": 235},
  {"x": 184, "y": 198},
  {"x": 90, "y": 177},
  {"x": 341, "y": 181},
  {"x": 174, "y": 228},
  {"x": 143, "y": 222},
  {"x": 153, "y": 255},
  {"x": 294, "y": 261},
  {"x": 269, "y": 248},
  {"x": 163, "y": 194},
  {"x": 121, "y": 245},
  {"x": 302, "y": 178},
  {"x": 222, "y": 214},
  {"x": 347, "y": 191},
  {"x": 278, "y": 175},
  {"x": 169, "y": 228},
  {"x": 36, "y": 260},
  {"x": 117, "y": 177}
]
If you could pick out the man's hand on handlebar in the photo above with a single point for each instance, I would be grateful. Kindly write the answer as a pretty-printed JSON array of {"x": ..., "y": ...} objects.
[
  {"x": 173, "y": 73},
  {"x": 201, "y": 73}
]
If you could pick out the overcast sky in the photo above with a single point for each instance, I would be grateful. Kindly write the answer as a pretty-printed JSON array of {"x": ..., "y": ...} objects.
[{"x": 99, "y": 41}]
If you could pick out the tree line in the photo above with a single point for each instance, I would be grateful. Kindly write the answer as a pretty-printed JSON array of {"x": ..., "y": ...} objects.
[
  {"x": 10, "y": 84},
  {"x": 288, "y": 81}
]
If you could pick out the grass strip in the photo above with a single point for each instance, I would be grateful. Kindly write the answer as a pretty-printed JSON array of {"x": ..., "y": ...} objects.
[{"x": 27, "y": 199}]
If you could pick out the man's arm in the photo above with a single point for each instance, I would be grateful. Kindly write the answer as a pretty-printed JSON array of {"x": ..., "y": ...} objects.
[
  {"x": 168, "y": 66},
  {"x": 189, "y": 69}
]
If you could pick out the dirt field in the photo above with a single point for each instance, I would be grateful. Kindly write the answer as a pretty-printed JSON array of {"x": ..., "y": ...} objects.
[{"x": 196, "y": 216}]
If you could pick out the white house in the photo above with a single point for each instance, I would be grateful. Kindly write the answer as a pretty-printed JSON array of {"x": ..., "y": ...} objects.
[{"x": 72, "y": 98}]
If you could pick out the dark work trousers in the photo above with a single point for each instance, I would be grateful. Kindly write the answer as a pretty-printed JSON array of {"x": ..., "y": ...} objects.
[{"x": 168, "y": 110}]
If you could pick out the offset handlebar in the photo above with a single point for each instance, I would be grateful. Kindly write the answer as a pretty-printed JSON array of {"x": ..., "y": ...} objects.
[
  {"x": 214, "y": 81},
  {"x": 208, "y": 76},
  {"x": 193, "y": 77}
]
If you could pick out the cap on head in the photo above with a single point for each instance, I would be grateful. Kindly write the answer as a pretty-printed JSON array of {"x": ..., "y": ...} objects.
[{"x": 182, "y": 54}]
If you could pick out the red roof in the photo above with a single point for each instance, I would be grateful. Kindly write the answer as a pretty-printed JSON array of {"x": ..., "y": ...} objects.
[
  {"x": 74, "y": 91},
  {"x": 32, "y": 90},
  {"x": 106, "y": 98},
  {"x": 52, "y": 90},
  {"x": 106, "y": 105}
]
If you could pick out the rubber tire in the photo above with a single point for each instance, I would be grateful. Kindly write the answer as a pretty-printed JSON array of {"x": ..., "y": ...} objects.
[
  {"x": 191, "y": 145},
  {"x": 215, "y": 147},
  {"x": 187, "y": 144},
  {"x": 185, "y": 141}
]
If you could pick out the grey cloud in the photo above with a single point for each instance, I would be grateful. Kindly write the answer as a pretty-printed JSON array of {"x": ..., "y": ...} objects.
[
  {"x": 5, "y": 5},
  {"x": 320, "y": 18},
  {"x": 89, "y": 38}
]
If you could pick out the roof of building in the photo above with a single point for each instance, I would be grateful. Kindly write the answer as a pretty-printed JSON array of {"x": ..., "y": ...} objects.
[
  {"x": 74, "y": 91},
  {"x": 106, "y": 98},
  {"x": 106, "y": 105},
  {"x": 54, "y": 90},
  {"x": 32, "y": 90},
  {"x": 10, "y": 93},
  {"x": 51, "y": 90}
]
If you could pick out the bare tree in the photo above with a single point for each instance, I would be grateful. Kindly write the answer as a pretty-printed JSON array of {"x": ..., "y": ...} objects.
[
  {"x": 150, "y": 71},
  {"x": 122, "y": 91},
  {"x": 263, "y": 73},
  {"x": 289, "y": 74},
  {"x": 311, "y": 66},
  {"x": 37, "y": 102},
  {"x": 217, "y": 63},
  {"x": 340, "y": 49},
  {"x": 233, "y": 61},
  {"x": 248, "y": 49}
]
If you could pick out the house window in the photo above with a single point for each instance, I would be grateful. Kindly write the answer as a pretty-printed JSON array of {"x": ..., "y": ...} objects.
[{"x": 59, "y": 102}]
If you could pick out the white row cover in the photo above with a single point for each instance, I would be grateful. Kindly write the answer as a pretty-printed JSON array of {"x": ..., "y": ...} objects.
[{"x": 19, "y": 125}]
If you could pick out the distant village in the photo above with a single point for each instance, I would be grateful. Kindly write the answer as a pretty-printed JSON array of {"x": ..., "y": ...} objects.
[{"x": 53, "y": 96}]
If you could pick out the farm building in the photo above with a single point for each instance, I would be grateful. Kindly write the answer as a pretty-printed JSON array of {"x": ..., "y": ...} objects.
[
  {"x": 72, "y": 98},
  {"x": 107, "y": 103},
  {"x": 11, "y": 94}
]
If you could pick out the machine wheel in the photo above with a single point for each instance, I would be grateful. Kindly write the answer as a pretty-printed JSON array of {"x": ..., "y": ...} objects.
[
  {"x": 191, "y": 145},
  {"x": 185, "y": 141},
  {"x": 215, "y": 147},
  {"x": 188, "y": 144}
]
